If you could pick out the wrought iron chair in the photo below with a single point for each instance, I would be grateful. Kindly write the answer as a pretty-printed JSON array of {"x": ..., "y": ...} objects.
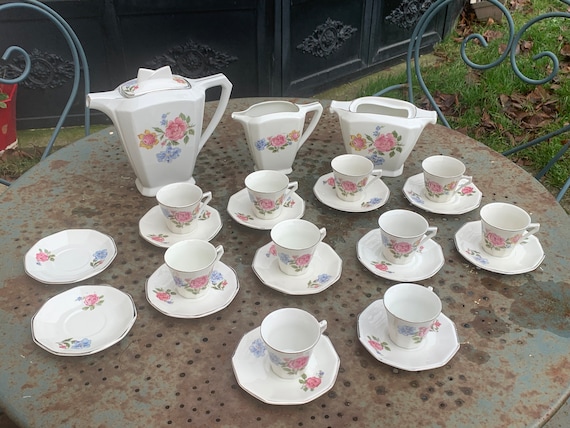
[
  {"x": 79, "y": 65},
  {"x": 413, "y": 70}
]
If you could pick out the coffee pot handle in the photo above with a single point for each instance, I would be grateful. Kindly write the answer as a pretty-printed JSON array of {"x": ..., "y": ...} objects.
[
  {"x": 207, "y": 83},
  {"x": 315, "y": 107}
]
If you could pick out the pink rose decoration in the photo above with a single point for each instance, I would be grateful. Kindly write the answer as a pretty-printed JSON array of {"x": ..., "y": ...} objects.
[
  {"x": 402, "y": 247},
  {"x": 303, "y": 260},
  {"x": 495, "y": 239},
  {"x": 175, "y": 129},
  {"x": 516, "y": 239},
  {"x": 385, "y": 142},
  {"x": 157, "y": 238},
  {"x": 358, "y": 142},
  {"x": 381, "y": 266},
  {"x": 183, "y": 216},
  {"x": 273, "y": 250},
  {"x": 90, "y": 300},
  {"x": 298, "y": 363},
  {"x": 200, "y": 282},
  {"x": 278, "y": 140},
  {"x": 467, "y": 190},
  {"x": 42, "y": 257},
  {"x": 423, "y": 331},
  {"x": 349, "y": 186},
  {"x": 434, "y": 187},
  {"x": 313, "y": 382},
  {"x": 161, "y": 295},
  {"x": 330, "y": 181},
  {"x": 266, "y": 204},
  {"x": 376, "y": 345}
]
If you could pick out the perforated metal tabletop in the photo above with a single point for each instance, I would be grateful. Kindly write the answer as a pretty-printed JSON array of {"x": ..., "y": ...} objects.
[{"x": 512, "y": 368}]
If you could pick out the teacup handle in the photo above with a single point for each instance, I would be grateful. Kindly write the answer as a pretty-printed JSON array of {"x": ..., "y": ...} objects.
[
  {"x": 531, "y": 230},
  {"x": 464, "y": 181},
  {"x": 294, "y": 185},
  {"x": 323, "y": 326},
  {"x": 430, "y": 233},
  {"x": 206, "y": 198},
  {"x": 323, "y": 232},
  {"x": 219, "y": 252},
  {"x": 376, "y": 174},
  {"x": 317, "y": 108}
]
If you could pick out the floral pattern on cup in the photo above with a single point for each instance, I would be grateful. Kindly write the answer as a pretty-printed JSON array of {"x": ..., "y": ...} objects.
[
  {"x": 71, "y": 343},
  {"x": 90, "y": 301},
  {"x": 378, "y": 145},
  {"x": 350, "y": 188},
  {"x": 365, "y": 204},
  {"x": 164, "y": 295},
  {"x": 290, "y": 366},
  {"x": 181, "y": 218},
  {"x": 194, "y": 286},
  {"x": 267, "y": 206},
  {"x": 308, "y": 383},
  {"x": 278, "y": 142},
  {"x": 416, "y": 333},
  {"x": 170, "y": 134},
  {"x": 436, "y": 190},
  {"x": 400, "y": 249},
  {"x": 496, "y": 242},
  {"x": 378, "y": 345}
]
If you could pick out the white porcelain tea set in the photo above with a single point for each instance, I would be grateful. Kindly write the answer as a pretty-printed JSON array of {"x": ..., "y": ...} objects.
[{"x": 158, "y": 117}]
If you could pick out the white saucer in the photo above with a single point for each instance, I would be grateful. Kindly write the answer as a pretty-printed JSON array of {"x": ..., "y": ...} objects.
[
  {"x": 374, "y": 196},
  {"x": 426, "y": 263},
  {"x": 153, "y": 229},
  {"x": 465, "y": 200},
  {"x": 240, "y": 209},
  {"x": 161, "y": 293},
  {"x": 437, "y": 348},
  {"x": 83, "y": 320},
  {"x": 253, "y": 372},
  {"x": 526, "y": 256},
  {"x": 69, "y": 256},
  {"x": 325, "y": 269}
]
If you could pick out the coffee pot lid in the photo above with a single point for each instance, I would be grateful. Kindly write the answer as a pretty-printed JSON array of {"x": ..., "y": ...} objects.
[{"x": 148, "y": 81}]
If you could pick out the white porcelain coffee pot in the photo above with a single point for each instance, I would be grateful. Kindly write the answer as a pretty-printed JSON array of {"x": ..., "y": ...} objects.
[
  {"x": 385, "y": 130},
  {"x": 159, "y": 119}
]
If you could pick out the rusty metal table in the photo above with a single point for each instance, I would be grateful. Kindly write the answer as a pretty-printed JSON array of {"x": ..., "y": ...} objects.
[{"x": 513, "y": 367}]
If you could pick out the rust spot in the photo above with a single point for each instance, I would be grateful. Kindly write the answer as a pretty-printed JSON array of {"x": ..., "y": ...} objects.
[
  {"x": 58, "y": 164},
  {"x": 475, "y": 356}
]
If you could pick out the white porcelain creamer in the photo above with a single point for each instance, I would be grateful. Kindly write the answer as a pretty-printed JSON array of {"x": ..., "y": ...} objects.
[
  {"x": 159, "y": 119},
  {"x": 385, "y": 130},
  {"x": 274, "y": 131}
]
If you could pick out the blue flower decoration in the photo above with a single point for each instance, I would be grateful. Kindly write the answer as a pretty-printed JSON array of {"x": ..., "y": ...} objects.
[
  {"x": 163, "y": 121},
  {"x": 261, "y": 144},
  {"x": 257, "y": 348},
  {"x": 406, "y": 330},
  {"x": 81, "y": 344},
  {"x": 375, "y": 201},
  {"x": 323, "y": 278},
  {"x": 179, "y": 282},
  {"x": 100, "y": 255},
  {"x": 169, "y": 154},
  {"x": 284, "y": 258},
  {"x": 216, "y": 276},
  {"x": 376, "y": 160}
]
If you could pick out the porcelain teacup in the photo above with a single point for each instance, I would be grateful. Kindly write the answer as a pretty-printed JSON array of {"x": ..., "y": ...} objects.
[
  {"x": 443, "y": 177},
  {"x": 290, "y": 336},
  {"x": 352, "y": 175},
  {"x": 182, "y": 204},
  {"x": 268, "y": 190}
]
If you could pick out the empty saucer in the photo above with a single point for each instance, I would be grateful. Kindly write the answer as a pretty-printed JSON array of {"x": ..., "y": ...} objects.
[
  {"x": 240, "y": 209},
  {"x": 161, "y": 293},
  {"x": 69, "y": 256},
  {"x": 439, "y": 346},
  {"x": 375, "y": 195},
  {"x": 83, "y": 320},
  {"x": 427, "y": 261},
  {"x": 466, "y": 199},
  {"x": 526, "y": 256},
  {"x": 325, "y": 269},
  {"x": 153, "y": 229},
  {"x": 253, "y": 372}
]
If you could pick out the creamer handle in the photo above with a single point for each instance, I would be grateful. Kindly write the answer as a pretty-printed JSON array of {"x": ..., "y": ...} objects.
[
  {"x": 209, "y": 82},
  {"x": 315, "y": 107}
]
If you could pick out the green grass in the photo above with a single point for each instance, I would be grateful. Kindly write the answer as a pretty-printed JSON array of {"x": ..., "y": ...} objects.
[{"x": 479, "y": 111}]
